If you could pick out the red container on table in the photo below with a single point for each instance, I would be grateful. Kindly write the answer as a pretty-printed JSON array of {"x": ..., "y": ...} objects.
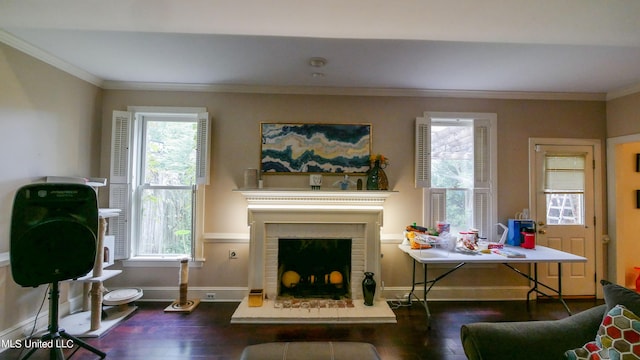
[{"x": 528, "y": 239}]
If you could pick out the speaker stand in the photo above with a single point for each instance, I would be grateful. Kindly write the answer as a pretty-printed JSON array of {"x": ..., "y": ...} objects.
[{"x": 57, "y": 339}]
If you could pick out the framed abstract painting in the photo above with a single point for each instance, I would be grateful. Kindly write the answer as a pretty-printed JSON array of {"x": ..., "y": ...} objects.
[{"x": 315, "y": 148}]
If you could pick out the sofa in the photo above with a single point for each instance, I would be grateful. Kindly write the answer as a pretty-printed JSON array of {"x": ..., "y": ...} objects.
[{"x": 585, "y": 335}]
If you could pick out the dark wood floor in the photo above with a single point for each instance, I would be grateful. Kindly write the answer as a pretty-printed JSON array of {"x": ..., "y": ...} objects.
[{"x": 206, "y": 333}]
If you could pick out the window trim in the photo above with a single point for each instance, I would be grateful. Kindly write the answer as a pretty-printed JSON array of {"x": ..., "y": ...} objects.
[
  {"x": 143, "y": 119},
  {"x": 485, "y": 183}
]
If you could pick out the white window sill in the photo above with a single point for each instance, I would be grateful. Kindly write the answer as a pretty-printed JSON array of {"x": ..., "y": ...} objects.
[{"x": 159, "y": 262}]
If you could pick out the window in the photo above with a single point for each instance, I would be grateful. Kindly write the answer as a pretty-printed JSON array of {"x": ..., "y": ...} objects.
[
  {"x": 564, "y": 188},
  {"x": 456, "y": 167},
  {"x": 158, "y": 160}
]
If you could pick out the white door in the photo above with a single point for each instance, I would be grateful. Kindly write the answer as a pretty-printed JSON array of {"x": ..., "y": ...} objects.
[{"x": 564, "y": 213}]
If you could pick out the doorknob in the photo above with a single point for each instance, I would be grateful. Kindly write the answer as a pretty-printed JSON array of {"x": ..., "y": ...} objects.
[
  {"x": 541, "y": 231},
  {"x": 541, "y": 223}
]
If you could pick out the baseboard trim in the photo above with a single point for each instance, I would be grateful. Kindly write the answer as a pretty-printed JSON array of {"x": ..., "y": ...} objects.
[
  {"x": 23, "y": 329},
  {"x": 171, "y": 293},
  {"x": 440, "y": 293}
]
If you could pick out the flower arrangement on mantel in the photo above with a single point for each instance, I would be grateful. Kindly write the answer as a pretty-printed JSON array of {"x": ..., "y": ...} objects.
[
  {"x": 381, "y": 159},
  {"x": 376, "y": 177}
]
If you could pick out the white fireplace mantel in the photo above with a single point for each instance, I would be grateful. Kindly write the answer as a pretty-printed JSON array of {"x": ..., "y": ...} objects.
[
  {"x": 321, "y": 212},
  {"x": 303, "y": 198}
]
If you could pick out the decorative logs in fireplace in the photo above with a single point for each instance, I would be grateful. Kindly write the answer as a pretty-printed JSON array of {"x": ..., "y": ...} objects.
[{"x": 330, "y": 285}]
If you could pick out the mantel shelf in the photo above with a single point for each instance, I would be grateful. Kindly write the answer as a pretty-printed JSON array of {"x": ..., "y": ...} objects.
[{"x": 304, "y": 197}]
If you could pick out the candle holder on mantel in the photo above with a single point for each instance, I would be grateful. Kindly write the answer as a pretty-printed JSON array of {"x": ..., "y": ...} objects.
[{"x": 315, "y": 181}]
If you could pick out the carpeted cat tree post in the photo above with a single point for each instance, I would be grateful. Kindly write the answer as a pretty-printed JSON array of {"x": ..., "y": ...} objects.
[{"x": 182, "y": 304}]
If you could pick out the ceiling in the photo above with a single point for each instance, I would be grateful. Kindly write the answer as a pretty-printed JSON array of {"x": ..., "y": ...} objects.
[{"x": 588, "y": 47}]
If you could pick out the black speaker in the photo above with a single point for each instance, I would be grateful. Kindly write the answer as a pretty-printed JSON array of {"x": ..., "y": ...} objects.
[{"x": 53, "y": 233}]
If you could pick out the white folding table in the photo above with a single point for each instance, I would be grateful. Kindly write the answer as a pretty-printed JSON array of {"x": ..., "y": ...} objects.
[{"x": 541, "y": 254}]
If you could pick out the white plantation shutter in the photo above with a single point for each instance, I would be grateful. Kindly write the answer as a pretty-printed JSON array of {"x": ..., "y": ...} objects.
[
  {"x": 485, "y": 175},
  {"x": 481, "y": 153},
  {"x": 436, "y": 201},
  {"x": 203, "y": 148},
  {"x": 120, "y": 182},
  {"x": 482, "y": 212},
  {"x": 120, "y": 154},
  {"x": 423, "y": 152},
  {"x": 119, "y": 198}
]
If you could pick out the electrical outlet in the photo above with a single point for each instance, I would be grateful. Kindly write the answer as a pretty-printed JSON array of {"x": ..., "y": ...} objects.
[
  {"x": 233, "y": 254},
  {"x": 210, "y": 296}
]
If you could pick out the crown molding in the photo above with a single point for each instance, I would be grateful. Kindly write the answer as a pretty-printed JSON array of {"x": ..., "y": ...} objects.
[
  {"x": 58, "y": 63},
  {"x": 623, "y": 92},
  {"x": 47, "y": 58},
  {"x": 354, "y": 91}
]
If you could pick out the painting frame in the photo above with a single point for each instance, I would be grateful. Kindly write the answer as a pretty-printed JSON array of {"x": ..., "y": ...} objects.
[{"x": 315, "y": 148}]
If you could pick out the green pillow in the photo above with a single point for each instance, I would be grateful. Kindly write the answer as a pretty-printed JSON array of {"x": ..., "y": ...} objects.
[{"x": 620, "y": 295}]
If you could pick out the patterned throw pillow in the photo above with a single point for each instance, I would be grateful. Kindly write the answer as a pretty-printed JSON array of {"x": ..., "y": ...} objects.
[
  {"x": 618, "y": 338},
  {"x": 620, "y": 334},
  {"x": 590, "y": 351}
]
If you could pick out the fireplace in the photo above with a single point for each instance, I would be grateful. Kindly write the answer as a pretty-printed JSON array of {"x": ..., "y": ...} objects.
[
  {"x": 293, "y": 215},
  {"x": 283, "y": 225}
]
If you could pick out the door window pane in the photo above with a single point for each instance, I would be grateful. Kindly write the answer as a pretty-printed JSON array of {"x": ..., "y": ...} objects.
[
  {"x": 565, "y": 209},
  {"x": 564, "y": 172},
  {"x": 564, "y": 189}
]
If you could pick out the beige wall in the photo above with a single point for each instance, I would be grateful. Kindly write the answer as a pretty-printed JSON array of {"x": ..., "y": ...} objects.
[
  {"x": 236, "y": 119},
  {"x": 49, "y": 125},
  {"x": 623, "y": 115}
]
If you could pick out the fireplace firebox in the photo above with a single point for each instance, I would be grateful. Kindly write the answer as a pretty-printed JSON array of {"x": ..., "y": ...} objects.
[{"x": 314, "y": 268}]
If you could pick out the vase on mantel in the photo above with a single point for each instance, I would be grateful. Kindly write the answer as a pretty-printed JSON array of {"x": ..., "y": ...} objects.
[
  {"x": 377, "y": 178},
  {"x": 368, "y": 288}
]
